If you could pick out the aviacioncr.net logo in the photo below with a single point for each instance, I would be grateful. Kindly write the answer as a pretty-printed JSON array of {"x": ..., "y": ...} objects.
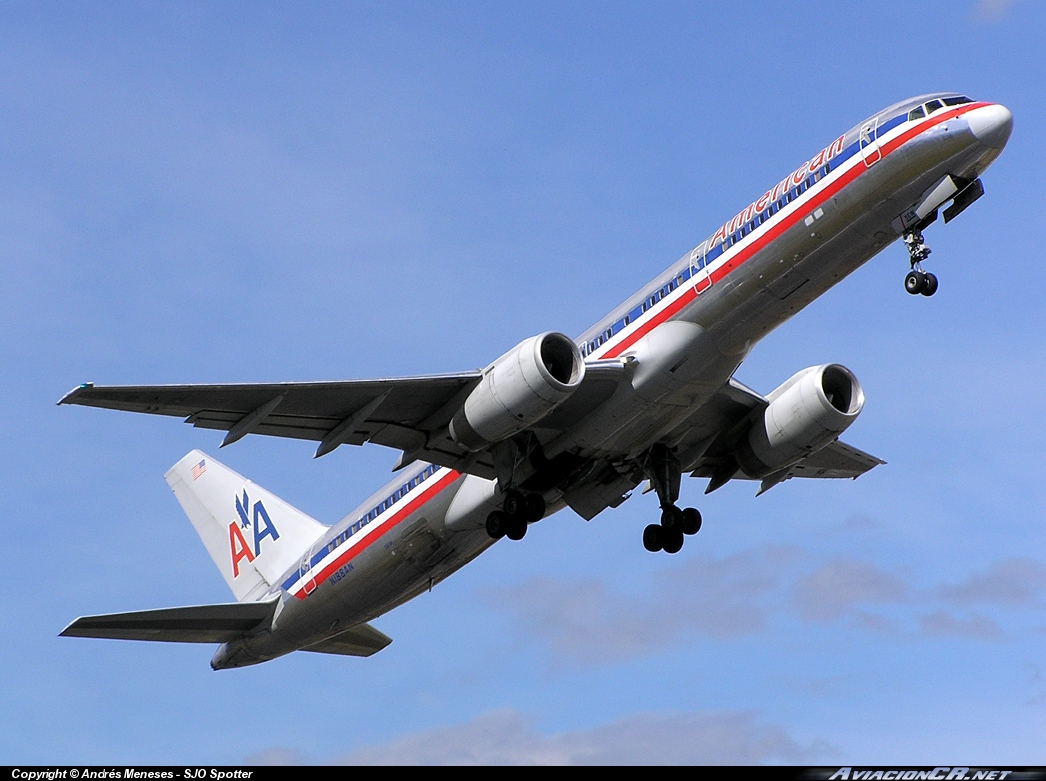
[{"x": 935, "y": 774}]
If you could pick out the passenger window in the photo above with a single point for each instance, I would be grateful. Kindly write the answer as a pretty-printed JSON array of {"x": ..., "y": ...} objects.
[
  {"x": 916, "y": 113},
  {"x": 932, "y": 106}
]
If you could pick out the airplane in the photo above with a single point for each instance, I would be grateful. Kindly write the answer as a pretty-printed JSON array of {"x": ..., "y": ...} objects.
[{"x": 644, "y": 396}]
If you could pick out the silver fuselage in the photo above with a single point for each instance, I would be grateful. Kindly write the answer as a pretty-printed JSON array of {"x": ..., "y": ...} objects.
[{"x": 684, "y": 334}]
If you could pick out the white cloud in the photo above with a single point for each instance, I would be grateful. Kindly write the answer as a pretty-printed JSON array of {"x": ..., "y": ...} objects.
[
  {"x": 942, "y": 623},
  {"x": 1014, "y": 582},
  {"x": 993, "y": 10},
  {"x": 508, "y": 738},
  {"x": 274, "y": 757},
  {"x": 835, "y": 588},
  {"x": 587, "y": 622},
  {"x": 584, "y": 621}
]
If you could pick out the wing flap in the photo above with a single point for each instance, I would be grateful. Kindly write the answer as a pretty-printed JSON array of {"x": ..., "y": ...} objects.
[
  {"x": 194, "y": 624},
  {"x": 362, "y": 640},
  {"x": 836, "y": 460}
]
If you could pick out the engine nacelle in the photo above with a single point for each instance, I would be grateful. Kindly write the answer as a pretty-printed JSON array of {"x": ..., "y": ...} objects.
[
  {"x": 518, "y": 390},
  {"x": 806, "y": 413}
]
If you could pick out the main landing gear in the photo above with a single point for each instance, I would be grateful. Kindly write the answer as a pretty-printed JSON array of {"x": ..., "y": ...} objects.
[
  {"x": 918, "y": 281},
  {"x": 517, "y": 510},
  {"x": 668, "y": 535},
  {"x": 663, "y": 468}
]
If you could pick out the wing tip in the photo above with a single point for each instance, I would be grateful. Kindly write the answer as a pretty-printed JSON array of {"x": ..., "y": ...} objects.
[
  {"x": 70, "y": 397},
  {"x": 70, "y": 630}
]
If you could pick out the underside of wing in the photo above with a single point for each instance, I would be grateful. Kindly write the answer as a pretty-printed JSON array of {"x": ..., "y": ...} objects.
[
  {"x": 411, "y": 414},
  {"x": 708, "y": 442},
  {"x": 362, "y": 640},
  {"x": 196, "y": 624},
  {"x": 401, "y": 413},
  {"x": 836, "y": 460}
]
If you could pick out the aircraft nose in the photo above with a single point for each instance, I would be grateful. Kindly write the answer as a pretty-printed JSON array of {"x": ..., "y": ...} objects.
[{"x": 991, "y": 125}]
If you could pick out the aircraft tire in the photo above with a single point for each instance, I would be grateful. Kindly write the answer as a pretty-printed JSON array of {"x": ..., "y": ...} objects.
[
  {"x": 513, "y": 504},
  {"x": 671, "y": 518},
  {"x": 517, "y": 529},
  {"x": 534, "y": 507},
  {"x": 691, "y": 521},
  {"x": 497, "y": 525},
  {"x": 930, "y": 287},
  {"x": 672, "y": 541},
  {"x": 652, "y": 538},
  {"x": 915, "y": 282}
]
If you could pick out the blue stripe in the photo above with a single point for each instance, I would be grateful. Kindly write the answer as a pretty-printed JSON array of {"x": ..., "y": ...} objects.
[{"x": 362, "y": 522}]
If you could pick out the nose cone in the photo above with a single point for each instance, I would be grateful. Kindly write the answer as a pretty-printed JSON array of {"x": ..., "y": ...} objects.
[{"x": 991, "y": 125}]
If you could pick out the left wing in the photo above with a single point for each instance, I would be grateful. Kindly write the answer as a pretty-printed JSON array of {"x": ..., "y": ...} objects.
[
  {"x": 400, "y": 413},
  {"x": 406, "y": 413}
]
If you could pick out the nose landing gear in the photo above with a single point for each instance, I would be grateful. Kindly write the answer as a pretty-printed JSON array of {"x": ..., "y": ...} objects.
[{"x": 918, "y": 281}]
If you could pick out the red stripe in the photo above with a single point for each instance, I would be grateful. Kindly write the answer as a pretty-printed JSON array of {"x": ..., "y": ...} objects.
[
  {"x": 785, "y": 224},
  {"x": 395, "y": 520},
  {"x": 932, "y": 121}
]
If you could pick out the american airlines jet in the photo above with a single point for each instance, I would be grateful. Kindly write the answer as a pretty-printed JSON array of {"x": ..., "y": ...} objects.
[{"x": 644, "y": 396}]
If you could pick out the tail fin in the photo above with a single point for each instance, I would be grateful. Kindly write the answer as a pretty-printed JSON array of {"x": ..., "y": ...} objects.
[{"x": 252, "y": 535}]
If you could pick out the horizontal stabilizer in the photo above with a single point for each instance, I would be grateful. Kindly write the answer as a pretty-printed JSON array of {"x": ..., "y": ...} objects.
[
  {"x": 196, "y": 624},
  {"x": 362, "y": 640}
]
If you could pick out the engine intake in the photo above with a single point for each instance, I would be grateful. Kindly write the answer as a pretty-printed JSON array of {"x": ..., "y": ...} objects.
[
  {"x": 807, "y": 412},
  {"x": 518, "y": 390}
]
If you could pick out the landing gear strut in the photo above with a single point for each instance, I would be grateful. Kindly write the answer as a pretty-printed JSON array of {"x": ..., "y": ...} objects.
[
  {"x": 918, "y": 281},
  {"x": 517, "y": 510},
  {"x": 663, "y": 469}
]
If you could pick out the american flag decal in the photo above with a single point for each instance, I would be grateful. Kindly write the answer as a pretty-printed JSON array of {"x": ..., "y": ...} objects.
[{"x": 199, "y": 469}]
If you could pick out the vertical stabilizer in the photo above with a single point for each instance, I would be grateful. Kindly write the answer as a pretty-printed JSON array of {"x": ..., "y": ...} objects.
[{"x": 252, "y": 535}]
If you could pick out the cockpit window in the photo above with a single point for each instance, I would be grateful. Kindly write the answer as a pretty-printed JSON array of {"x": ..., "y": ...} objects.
[
  {"x": 957, "y": 101},
  {"x": 932, "y": 106},
  {"x": 916, "y": 113}
]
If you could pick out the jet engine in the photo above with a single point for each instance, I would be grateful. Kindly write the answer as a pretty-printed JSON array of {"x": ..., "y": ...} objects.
[
  {"x": 807, "y": 412},
  {"x": 518, "y": 390}
]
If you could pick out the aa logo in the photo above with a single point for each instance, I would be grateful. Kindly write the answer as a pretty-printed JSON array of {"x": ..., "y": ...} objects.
[{"x": 261, "y": 526}]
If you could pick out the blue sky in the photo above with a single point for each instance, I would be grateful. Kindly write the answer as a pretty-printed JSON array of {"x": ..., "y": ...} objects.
[{"x": 264, "y": 192}]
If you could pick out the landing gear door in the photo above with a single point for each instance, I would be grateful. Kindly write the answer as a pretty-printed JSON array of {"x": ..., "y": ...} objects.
[
  {"x": 869, "y": 142},
  {"x": 699, "y": 270}
]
